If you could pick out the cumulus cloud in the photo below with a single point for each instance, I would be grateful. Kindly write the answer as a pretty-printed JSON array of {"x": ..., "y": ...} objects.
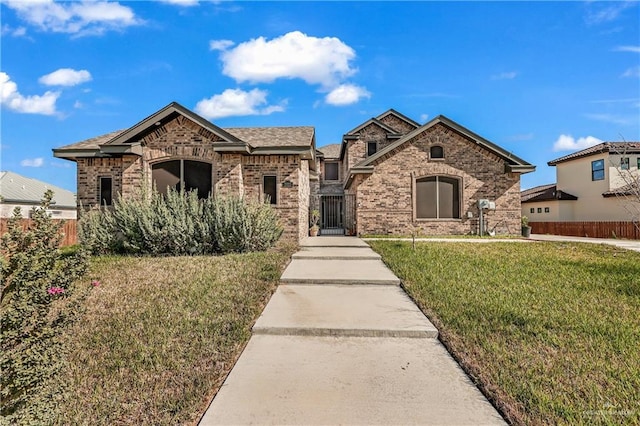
[
  {"x": 235, "y": 102},
  {"x": 632, "y": 72},
  {"x": 32, "y": 162},
  {"x": 11, "y": 98},
  {"x": 346, "y": 94},
  {"x": 569, "y": 143},
  {"x": 14, "y": 32},
  {"x": 220, "y": 44},
  {"x": 604, "y": 12},
  {"x": 324, "y": 61},
  {"x": 504, "y": 76},
  {"x": 634, "y": 49},
  {"x": 65, "y": 77},
  {"x": 79, "y": 18}
]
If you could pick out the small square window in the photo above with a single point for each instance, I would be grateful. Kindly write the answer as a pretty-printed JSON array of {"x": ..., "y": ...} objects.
[
  {"x": 546, "y": 210},
  {"x": 539, "y": 209},
  {"x": 624, "y": 163},
  {"x": 532, "y": 210},
  {"x": 437, "y": 151},
  {"x": 372, "y": 148},
  {"x": 638, "y": 163},
  {"x": 331, "y": 170}
]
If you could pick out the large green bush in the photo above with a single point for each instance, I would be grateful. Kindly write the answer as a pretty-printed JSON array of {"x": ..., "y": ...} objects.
[
  {"x": 36, "y": 275},
  {"x": 178, "y": 223}
]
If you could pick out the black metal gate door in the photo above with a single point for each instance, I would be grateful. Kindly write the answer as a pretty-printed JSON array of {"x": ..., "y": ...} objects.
[{"x": 332, "y": 214}]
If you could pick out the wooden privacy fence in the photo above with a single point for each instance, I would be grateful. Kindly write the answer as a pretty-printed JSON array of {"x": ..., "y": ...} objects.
[
  {"x": 628, "y": 230},
  {"x": 69, "y": 229}
]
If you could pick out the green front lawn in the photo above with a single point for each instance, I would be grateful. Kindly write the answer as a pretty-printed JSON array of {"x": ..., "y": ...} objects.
[
  {"x": 158, "y": 335},
  {"x": 550, "y": 331}
]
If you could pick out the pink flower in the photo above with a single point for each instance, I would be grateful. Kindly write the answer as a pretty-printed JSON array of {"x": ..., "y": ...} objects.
[
  {"x": 95, "y": 283},
  {"x": 54, "y": 291}
]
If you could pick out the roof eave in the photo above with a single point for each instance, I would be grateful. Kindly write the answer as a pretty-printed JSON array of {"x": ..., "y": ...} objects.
[
  {"x": 134, "y": 148},
  {"x": 519, "y": 168},
  {"x": 72, "y": 154}
]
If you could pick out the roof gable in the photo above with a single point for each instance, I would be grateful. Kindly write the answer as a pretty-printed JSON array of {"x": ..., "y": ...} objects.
[
  {"x": 163, "y": 115},
  {"x": 400, "y": 116},
  {"x": 513, "y": 163},
  {"x": 374, "y": 121}
]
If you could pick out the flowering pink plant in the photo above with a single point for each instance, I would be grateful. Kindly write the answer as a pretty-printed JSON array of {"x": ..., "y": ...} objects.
[
  {"x": 95, "y": 283},
  {"x": 54, "y": 291}
]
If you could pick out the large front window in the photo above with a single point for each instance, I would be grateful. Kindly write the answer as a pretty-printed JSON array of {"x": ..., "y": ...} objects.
[
  {"x": 182, "y": 175},
  {"x": 437, "y": 197}
]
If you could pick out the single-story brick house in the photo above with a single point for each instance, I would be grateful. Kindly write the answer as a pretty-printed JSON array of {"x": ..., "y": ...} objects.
[{"x": 390, "y": 175}]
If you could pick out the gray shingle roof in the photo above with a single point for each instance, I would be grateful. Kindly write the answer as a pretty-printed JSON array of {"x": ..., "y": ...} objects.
[
  {"x": 331, "y": 151},
  {"x": 271, "y": 137},
  {"x": 92, "y": 143},
  {"x": 545, "y": 193},
  {"x": 618, "y": 147},
  {"x": 15, "y": 188}
]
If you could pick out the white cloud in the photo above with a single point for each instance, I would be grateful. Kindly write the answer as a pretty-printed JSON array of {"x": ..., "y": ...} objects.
[
  {"x": 634, "y": 49},
  {"x": 32, "y": 162},
  {"x": 609, "y": 118},
  {"x": 632, "y": 72},
  {"x": 424, "y": 117},
  {"x": 504, "y": 76},
  {"x": 65, "y": 77},
  {"x": 35, "y": 104},
  {"x": 80, "y": 18},
  {"x": 78, "y": 105},
  {"x": 568, "y": 143},
  {"x": 598, "y": 13},
  {"x": 324, "y": 61},
  {"x": 220, "y": 44},
  {"x": 234, "y": 102},
  {"x": 14, "y": 32},
  {"x": 186, "y": 3},
  {"x": 346, "y": 94}
]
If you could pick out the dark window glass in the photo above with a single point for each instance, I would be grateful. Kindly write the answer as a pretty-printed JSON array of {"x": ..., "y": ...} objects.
[
  {"x": 437, "y": 197},
  {"x": 638, "y": 163},
  {"x": 182, "y": 174},
  {"x": 106, "y": 191},
  {"x": 539, "y": 209},
  {"x": 331, "y": 171},
  {"x": 372, "y": 148},
  {"x": 597, "y": 170},
  {"x": 624, "y": 163},
  {"x": 437, "y": 152},
  {"x": 166, "y": 175},
  {"x": 270, "y": 189},
  {"x": 546, "y": 210},
  {"x": 197, "y": 176},
  {"x": 531, "y": 210}
]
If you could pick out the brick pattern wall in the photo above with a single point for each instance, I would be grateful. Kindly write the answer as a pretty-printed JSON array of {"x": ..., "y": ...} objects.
[
  {"x": 357, "y": 149},
  {"x": 397, "y": 124},
  {"x": 304, "y": 194},
  {"x": 286, "y": 168},
  {"x": 90, "y": 170},
  {"x": 385, "y": 198}
]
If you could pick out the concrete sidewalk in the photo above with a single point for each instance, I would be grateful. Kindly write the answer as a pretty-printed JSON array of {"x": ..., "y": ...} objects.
[
  {"x": 341, "y": 343},
  {"x": 625, "y": 244}
]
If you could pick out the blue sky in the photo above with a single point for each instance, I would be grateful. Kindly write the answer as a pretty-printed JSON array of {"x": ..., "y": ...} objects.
[{"x": 539, "y": 79}]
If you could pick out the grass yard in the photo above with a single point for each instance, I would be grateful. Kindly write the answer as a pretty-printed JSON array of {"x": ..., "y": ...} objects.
[
  {"x": 550, "y": 331},
  {"x": 158, "y": 336}
]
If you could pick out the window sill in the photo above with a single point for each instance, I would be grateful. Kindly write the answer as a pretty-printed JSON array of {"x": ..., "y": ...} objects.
[{"x": 426, "y": 219}]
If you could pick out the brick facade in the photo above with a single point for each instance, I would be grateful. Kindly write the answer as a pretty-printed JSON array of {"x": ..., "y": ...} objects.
[{"x": 385, "y": 198}]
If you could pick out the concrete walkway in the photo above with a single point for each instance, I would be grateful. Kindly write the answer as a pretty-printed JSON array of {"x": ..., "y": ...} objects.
[
  {"x": 625, "y": 244},
  {"x": 341, "y": 343}
]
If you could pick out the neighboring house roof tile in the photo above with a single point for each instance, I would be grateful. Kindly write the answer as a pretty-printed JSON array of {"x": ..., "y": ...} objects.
[
  {"x": 331, "y": 151},
  {"x": 18, "y": 189},
  {"x": 632, "y": 189},
  {"x": 545, "y": 193},
  {"x": 616, "y": 147},
  {"x": 272, "y": 137}
]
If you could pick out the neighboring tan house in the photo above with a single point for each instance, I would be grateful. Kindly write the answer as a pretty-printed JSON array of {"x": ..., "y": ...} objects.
[
  {"x": 590, "y": 186},
  {"x": 390, "y": 175},
  {"x": 20, "y": 191}
]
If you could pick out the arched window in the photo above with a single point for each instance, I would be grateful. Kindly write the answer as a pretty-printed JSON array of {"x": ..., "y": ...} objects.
[
  {"x": 437, "y": 151},
  {"x": 437, "y": 197},
  {"x": 182, "y": 175}
]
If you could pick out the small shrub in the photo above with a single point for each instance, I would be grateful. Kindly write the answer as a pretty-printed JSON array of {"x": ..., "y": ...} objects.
[
  {"x": 35, "y": 275},
  {"x": 178, "y": 223}
]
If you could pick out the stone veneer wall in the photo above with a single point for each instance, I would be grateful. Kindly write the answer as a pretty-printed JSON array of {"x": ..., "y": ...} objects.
[
  {"x": 397, "y": 124},
  {"x": 385, "y": 198}
]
